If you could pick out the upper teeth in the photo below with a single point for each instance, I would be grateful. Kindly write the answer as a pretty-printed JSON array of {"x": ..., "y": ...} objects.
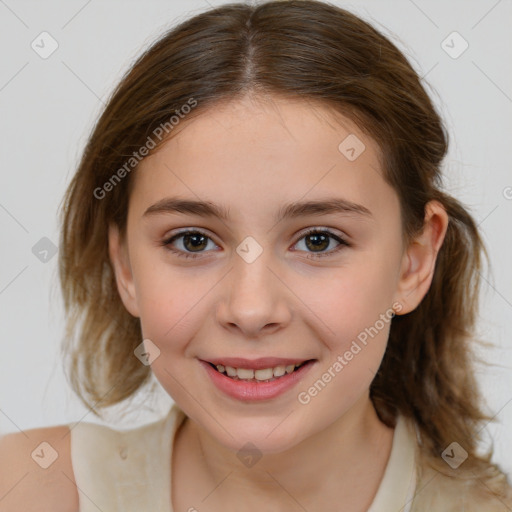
[{"x": 264, "y": 374}]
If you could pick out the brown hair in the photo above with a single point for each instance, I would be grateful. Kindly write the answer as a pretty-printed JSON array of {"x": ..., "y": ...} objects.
[{"x": 296, "y": 49}]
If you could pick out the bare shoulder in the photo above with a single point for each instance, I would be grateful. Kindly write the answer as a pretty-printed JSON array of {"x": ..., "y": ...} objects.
[{"x": 36, "y": 471}]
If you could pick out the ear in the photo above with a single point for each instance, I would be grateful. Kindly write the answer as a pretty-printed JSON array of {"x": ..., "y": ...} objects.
[
  {"x": 419, "y": 259},
  {"x": 118, "y": 252}
]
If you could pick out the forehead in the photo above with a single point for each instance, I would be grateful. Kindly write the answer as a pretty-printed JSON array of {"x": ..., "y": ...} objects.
[{"x": 253, "y": 152}]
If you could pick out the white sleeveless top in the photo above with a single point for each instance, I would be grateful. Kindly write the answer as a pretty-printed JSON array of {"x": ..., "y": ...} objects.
[{"x": 130, "y": 471}]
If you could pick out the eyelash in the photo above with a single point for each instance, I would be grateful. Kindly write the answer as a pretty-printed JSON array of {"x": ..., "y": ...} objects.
[{"x": 314, "y": 231}]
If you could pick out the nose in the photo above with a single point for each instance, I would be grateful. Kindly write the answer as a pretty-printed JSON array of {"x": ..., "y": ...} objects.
[{"x": 255, "y": 300}]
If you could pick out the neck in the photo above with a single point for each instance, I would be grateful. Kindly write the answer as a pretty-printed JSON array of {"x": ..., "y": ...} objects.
[{"x": 344, "y": 461}]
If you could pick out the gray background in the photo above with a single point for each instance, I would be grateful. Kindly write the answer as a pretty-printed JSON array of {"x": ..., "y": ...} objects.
[{"x": 48, "y": 106}]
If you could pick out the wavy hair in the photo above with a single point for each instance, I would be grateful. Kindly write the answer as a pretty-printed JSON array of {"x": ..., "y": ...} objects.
[{"x": 317, "y": 52}]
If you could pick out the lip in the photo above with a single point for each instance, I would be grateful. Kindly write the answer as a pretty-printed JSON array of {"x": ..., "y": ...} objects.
[
  {"x": 256, "y": 391},
  {"x": 254, "y": 364}
]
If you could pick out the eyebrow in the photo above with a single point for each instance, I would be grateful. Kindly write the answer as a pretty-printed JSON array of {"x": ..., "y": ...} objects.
[{"x": 289, "y": 211}]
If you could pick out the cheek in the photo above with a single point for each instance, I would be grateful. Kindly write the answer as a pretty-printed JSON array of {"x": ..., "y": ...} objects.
[
  {"x": 359, "y": 315},
  {"x": 348, "y": 300},
  {"x": 169, "y": 309},
  {"x": 171, "y": 312},
  {"x": 175, "y": 304},
  {"x": 354, "y": 306},
  {"x": 164, "y": 296}
]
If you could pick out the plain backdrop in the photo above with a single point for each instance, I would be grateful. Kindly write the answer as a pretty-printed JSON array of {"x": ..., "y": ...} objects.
[{"x": 48, "y": 106}]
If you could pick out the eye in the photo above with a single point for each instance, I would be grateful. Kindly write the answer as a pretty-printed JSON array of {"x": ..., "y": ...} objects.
[
  {"x": 319, "y": 240},
  {"x": 194, "y": 241}
]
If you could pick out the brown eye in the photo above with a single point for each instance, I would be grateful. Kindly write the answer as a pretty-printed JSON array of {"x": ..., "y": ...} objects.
[
  {"x": 318, "y": 241},
  {"x": 191, "y": 242}
]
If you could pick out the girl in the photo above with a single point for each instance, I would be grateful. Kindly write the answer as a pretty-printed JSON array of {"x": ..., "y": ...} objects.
[{"x": 258, "y": 221}]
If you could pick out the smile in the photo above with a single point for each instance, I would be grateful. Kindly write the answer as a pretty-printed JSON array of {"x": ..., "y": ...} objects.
[
  {"x": 255, "y": 380},
  {"x": 261, "y": 375}
]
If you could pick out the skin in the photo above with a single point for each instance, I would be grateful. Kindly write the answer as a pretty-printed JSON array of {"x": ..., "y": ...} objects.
[{"x": 254, "y": 156}]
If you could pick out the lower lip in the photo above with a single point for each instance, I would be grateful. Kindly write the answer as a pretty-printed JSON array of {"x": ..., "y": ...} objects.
[{"x": 250, "y": 391}]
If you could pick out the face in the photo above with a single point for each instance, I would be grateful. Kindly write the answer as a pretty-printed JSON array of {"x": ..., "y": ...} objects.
[{"x": 271, "y": 280}]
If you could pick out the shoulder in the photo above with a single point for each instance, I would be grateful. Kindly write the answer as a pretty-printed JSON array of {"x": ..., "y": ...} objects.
[
  {"x": 102, "y": 443},
  {"x": 477, "y": 487},
  {"x": 36, "y": 472}
]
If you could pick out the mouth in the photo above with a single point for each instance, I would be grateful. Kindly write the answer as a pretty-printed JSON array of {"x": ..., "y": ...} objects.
[
  {"x": 250, "y": 380},
  {"x": 259, "y": 374}
]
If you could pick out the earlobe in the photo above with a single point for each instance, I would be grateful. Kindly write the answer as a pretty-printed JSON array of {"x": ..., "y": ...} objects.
[
  {"x": 119, "y": 259},
  {"x": 419, "y": 259}
]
